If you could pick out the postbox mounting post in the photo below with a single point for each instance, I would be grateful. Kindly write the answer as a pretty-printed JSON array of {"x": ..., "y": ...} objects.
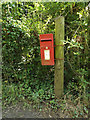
[{"x": 59, "y": 53}]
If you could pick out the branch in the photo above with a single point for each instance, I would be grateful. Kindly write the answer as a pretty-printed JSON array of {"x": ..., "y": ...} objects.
[{"x": 76, "y": 31}]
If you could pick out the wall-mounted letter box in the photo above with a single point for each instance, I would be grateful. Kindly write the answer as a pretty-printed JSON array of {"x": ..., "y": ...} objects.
[{"x": 47, "y": 49}]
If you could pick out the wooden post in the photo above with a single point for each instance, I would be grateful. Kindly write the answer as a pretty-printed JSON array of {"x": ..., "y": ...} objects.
[{"x": 59, "y": 56}]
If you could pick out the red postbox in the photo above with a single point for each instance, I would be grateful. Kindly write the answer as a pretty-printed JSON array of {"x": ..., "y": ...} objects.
[{"x": 47, "y": 49}]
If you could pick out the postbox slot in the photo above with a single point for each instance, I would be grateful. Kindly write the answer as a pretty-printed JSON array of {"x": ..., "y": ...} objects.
[{"x": 45, "y": 40}]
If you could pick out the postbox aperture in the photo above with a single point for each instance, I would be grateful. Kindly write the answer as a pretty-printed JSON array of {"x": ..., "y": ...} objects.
[{"x": 47, "y": 49}]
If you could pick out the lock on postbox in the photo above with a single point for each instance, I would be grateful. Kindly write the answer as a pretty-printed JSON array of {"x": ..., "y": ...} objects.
[{"x": 47, "y": 49}]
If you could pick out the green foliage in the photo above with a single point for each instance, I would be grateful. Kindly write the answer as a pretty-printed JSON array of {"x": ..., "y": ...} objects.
[{"x": 24, "y": 78}]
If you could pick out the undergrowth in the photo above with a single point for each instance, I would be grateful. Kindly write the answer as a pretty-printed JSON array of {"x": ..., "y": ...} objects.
[{"x": 43, "y": 96}]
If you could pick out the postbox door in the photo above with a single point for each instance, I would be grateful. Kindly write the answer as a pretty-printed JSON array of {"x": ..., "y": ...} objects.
[{"x": 47, "y": 57}]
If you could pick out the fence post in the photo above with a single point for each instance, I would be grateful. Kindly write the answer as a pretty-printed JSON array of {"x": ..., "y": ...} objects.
[{"x": 59, "y": 56}]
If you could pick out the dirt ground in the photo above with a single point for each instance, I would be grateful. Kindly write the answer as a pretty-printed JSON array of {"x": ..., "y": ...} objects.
[{"x": 18, "y": 111}]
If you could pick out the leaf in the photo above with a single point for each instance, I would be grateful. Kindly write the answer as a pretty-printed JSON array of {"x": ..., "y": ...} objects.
[{"x": 86, "y": 110}]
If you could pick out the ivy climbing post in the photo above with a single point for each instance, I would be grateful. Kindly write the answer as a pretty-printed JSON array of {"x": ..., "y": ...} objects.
[{"x": 59, "y": 56}]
